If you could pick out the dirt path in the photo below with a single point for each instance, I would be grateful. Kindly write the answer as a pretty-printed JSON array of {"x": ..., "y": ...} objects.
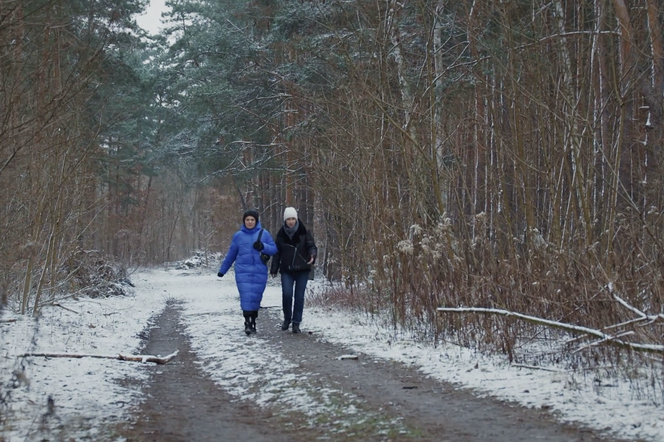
[{"x": 183, "y": 404}]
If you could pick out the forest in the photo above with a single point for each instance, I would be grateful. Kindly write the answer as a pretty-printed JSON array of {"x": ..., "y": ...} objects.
[{"x": 496, "y": 155}]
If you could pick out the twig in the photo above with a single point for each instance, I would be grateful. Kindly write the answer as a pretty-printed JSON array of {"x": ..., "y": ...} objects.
[
  {"x": 622, "y": 324},
  {"x": 535, "y": 367},
  {"x": 121, "y": 357},
  {"x": 629, "y": 307},
  {"x": 600, "y": 341},
  {"x": 57, "y": 304},
  {"x": 8, "y": 320}
]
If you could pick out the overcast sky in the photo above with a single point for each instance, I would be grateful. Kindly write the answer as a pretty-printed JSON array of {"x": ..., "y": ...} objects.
[{"x": 151, "y": 20}]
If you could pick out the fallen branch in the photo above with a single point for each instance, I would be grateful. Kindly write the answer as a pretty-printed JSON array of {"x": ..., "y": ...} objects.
[
  {"x": 8, "y": 320},
  {"x": 121, "y": 357},
  {"x": 642, "y": 316},
  {"x": 57, "y": 304},
  {"x": 536, "y": 367},
  {"x": 609, "y": 339}
]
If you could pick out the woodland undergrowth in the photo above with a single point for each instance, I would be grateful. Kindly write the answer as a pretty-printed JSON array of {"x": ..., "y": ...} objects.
[{"x": 571, "y": 286}]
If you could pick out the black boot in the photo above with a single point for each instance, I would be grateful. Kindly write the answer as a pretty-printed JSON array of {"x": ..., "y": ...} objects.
[
  {"x": 249, "y": 321},
  {"x": 296, "y": 327},
  {"x": 285, "y": 325}
]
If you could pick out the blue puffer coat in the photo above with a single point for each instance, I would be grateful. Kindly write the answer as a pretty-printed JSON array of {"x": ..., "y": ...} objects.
[{"x": 250, "y": 272}]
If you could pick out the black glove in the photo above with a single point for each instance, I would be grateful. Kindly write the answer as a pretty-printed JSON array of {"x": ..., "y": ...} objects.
[
  {"x": 258, "y": 246},
  {"x": 221, "y": 275}
]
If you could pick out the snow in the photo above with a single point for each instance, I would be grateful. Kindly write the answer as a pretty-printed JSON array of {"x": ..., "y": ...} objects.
[{"x": 90, "y": 390}]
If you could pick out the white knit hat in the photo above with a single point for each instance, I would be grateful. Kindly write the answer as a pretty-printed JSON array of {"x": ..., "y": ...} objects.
[{"x": 290, "y": 212}]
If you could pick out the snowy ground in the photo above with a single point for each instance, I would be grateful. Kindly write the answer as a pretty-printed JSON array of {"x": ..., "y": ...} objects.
[{"x": 90, "y": 390}]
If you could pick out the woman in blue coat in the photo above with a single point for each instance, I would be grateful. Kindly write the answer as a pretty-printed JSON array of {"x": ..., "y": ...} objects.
[{"x": 248, "y": 245}]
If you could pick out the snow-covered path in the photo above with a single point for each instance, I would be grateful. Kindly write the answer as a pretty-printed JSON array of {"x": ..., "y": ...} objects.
[
  {"x": 90, "y": 390},
  {"x": 305, "y": 383}
]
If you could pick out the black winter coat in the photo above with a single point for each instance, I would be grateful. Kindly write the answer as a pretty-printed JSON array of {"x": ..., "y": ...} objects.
[{"x": 293, "y": 254}]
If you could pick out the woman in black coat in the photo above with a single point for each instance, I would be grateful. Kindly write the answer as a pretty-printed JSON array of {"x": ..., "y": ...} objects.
[{"x": 296, "y": 254}]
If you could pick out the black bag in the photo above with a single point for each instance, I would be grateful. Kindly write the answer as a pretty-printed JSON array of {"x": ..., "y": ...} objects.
[{"x": 264, "y": 258}]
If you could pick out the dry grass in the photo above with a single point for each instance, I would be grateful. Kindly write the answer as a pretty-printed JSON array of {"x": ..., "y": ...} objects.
[{"x": 570, "y": 285}]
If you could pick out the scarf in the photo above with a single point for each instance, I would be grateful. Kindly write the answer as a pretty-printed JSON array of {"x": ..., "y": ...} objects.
[{"x": 290, "y": 231}]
